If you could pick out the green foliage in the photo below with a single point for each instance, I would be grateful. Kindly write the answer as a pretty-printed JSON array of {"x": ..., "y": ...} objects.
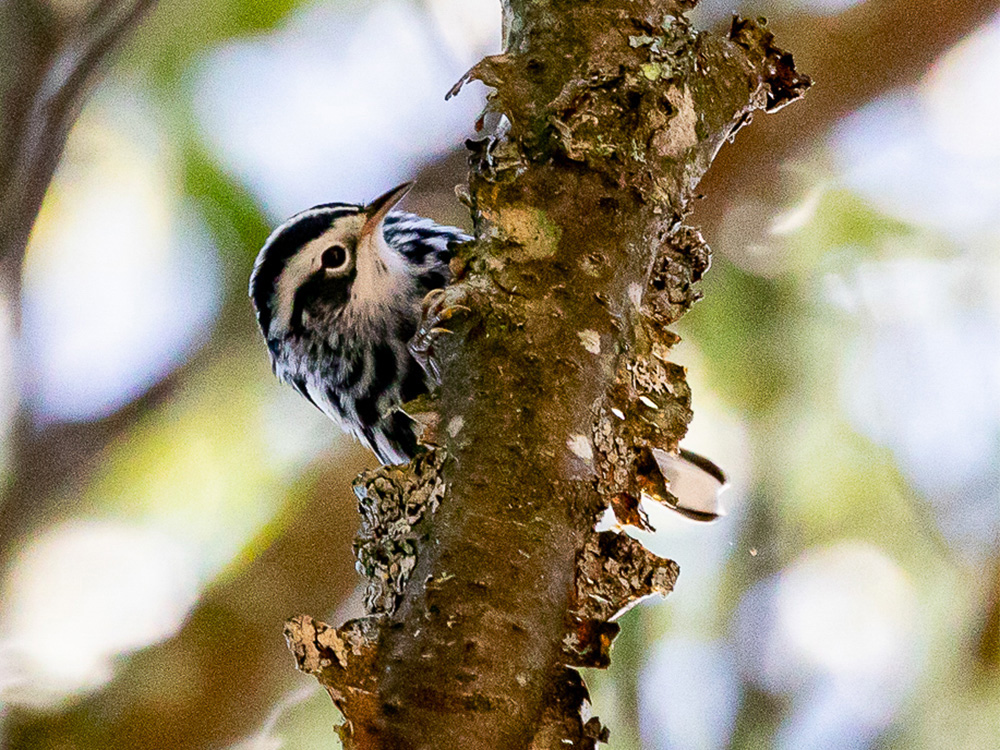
[
  {"x": 743, "y": 328},
  {"x": 179, "y": 470},
  {"x": 232, "y": 215},
  {"x": 179, "y": 31}
]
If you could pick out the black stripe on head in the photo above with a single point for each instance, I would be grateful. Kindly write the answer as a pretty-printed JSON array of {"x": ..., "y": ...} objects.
[
  {"x": 334, "y": 292},
  {"x": 282, "y": 245}
]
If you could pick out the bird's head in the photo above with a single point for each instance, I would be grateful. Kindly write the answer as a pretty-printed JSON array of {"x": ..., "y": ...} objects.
[{"x": 325, "y": 262}]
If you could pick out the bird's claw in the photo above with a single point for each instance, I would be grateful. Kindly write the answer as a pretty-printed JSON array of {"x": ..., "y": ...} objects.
[{"x": 435, "y": 310}]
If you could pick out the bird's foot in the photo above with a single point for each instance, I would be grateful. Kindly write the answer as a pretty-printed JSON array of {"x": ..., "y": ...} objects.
[{"x": 439, "y": 306}]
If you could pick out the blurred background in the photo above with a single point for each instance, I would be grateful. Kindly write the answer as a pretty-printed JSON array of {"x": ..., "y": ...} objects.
[{"x": 166, "y": 504}]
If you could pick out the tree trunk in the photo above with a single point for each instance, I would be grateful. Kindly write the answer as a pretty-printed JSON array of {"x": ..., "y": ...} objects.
[{"x": 487, "y": 582}]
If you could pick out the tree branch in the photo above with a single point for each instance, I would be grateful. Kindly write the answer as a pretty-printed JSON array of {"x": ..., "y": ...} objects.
[
  {"x": 45, "y": 105},
  {"x": 487, "y": 578},
  {"x": 45, "y": 75}
]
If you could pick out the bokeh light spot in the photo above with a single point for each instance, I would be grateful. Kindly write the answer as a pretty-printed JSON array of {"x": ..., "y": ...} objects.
[
  {"x": 120, "y": 282},
  {"x": 82, "y": 593}
]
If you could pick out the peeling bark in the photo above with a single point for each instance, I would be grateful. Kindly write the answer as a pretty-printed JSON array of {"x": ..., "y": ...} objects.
[{"x": 487, "y": 581}]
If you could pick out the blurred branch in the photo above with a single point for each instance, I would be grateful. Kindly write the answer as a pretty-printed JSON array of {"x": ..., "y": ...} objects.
[
  {"x": 50, "y": 65},
  {"x": 856, "y": 55},
  {"x": 41, "y": 99}
]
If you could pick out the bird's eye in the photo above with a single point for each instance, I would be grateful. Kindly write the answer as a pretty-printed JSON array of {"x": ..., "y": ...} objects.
[{"x": 334, "y": 257}]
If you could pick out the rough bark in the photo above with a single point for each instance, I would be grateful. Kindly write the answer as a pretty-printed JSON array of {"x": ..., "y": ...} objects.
[{"x": 487, "y": 581}]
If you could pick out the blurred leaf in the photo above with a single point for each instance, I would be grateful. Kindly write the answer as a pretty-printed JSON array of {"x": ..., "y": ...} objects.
[
  {"x": 181, "y": 29},
  {"x": 843, "y": 219},
  {"x": 741, "y": 327},
  {"x": 951, "y": 715},
  {"x": 837, "y": 485},
  {"x": 233, "y": 216},
  {"x": 208, "y": 465}
]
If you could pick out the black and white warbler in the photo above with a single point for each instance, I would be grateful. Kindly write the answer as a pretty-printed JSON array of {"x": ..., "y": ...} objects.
[{"x": 338, "y": 290}]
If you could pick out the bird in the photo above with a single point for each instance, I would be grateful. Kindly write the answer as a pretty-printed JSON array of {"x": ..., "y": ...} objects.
[{"x": 338, "y": 291}]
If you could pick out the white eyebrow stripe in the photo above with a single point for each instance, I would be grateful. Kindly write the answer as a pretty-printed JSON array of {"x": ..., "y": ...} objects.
[
  {"x": 333, "y": 212},
  {"x": 297, "y": 269}
]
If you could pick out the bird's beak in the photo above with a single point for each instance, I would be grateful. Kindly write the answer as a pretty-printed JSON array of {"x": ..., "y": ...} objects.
[{"x": 378, "y": 208}]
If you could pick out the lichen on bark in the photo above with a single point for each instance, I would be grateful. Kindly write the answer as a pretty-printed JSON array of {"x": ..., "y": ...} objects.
[
  {"x": 557, "y": 383},
  {"x": 396, "y": 505}
]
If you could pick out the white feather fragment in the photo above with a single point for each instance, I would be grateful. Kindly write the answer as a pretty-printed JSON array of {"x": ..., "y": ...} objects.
[
  {"x": 618, "y": 413},
  {"x": 649, "y": 402},
  {"x": 695, "y": 481}
]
